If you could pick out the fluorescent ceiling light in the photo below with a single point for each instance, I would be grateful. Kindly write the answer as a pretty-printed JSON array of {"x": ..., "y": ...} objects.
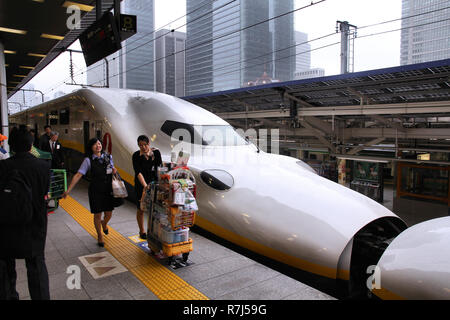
[
  {"x": 16, "y": 31},
  {"x": 26, "y": 67},
  {"x": 20, "y": 75},
  {"x": 37, "y": 55},
  {"x": 83, "y": 7},
  {"x": 16, "y": 82},
  {"x": 40, "y": 1},
  {"x": 51, "y": 36},
  {"x": 6, "y": 65},
  {"x": 9, "y": 51}
]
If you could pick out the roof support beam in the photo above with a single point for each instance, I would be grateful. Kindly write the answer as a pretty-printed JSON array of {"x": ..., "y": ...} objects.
[
  {"x": 323, "y": 126},
  {"x": 387, "y": 122},
  {"x": 293, "y": 98},
  {"x": 376, "y": 109},
  {"x": 319, "y": 135},
  {"x": 368, "y": 144}
]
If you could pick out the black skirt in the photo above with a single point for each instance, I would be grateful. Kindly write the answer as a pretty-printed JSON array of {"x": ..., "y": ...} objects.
[{"x": 100, "y": 197}]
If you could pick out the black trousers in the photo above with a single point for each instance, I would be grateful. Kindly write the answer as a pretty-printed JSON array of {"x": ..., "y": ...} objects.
[{"x": 37, "y": 274}]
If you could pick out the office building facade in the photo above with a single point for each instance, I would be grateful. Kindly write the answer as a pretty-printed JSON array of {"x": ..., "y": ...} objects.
[
  {"x": 228, "y": 47},
  {"x": 425, "y": 36},
  {"x": 302, "y": 52},
  {"x": 169, "y": 66}
]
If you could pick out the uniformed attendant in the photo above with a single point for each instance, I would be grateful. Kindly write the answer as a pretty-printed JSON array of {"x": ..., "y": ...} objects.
[
  {"x": 145, "y": 163},
  {"x": 101, "y": 166}
]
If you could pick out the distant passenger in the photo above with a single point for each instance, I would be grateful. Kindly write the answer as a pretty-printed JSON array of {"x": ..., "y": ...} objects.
[
  {"x": 54, "y": 147},
  {"x": 27, "y": 240},
  {"x": 101, "y": 166},
  {"x": 3, "y": 152},
  {"x": 45, "y": 138},
  {"x": 35, "y": 138},
  {"x": 145, "y": 164}
]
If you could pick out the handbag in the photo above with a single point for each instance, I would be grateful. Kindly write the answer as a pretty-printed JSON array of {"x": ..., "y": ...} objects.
[{"x": 118, "y": 187}]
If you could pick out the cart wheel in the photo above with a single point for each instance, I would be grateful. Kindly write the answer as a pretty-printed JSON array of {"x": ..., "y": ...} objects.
[
  {"x": 185, "y": 256},
  {"x": 169, "y": 260}
]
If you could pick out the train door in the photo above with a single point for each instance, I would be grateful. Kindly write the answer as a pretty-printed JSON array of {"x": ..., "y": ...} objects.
[
  {"x": 98, "y": 129},
  {"x": 86, "y": 134}
]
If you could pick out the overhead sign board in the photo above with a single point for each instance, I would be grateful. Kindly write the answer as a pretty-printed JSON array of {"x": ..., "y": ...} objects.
[
  {"x": 127, "y": 26},
  {"x": 101, "y": 39}
]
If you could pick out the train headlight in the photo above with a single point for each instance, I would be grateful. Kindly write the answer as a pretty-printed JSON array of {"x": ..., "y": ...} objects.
[{"x": 217, "y": 179}]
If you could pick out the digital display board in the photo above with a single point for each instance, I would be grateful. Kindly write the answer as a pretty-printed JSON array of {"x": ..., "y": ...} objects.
[{"x": 100, "y": 40}]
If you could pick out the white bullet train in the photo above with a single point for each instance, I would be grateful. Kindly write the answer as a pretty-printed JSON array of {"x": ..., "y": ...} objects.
[{"x": 273, "y": 205}]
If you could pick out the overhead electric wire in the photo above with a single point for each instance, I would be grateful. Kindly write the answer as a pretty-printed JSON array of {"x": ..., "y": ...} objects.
[
  {"x": 212, "y": 40},
  {"x": 151, "y": 33},
  {"x": 241, "y": 69},
  {"x": 127, "y": 51},
  {"x": 367, "y": 26},
  {"x": 403, "y": 18},
  {"x": 219, "y": 37},
  {"x": 409, "y": 27}
]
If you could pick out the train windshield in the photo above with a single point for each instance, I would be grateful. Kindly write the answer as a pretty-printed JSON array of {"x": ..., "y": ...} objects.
[{"x": 214, "y": 135}]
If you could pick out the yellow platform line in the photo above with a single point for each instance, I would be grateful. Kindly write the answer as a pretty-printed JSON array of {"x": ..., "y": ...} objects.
[{"x": 161, "y": 281}]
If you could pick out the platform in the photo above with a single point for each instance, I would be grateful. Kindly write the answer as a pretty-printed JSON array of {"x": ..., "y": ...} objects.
[{"x": 215, "y": 272}]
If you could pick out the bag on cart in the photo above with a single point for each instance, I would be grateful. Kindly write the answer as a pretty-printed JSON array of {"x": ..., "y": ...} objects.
[{"x": 15, "y": 197}]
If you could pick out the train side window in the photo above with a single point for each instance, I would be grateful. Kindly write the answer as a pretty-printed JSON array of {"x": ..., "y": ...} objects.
[{"x": 64, "y": 116}]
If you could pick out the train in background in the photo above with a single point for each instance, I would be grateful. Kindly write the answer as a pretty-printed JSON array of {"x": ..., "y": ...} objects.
[{"x": 273, "y": 205}]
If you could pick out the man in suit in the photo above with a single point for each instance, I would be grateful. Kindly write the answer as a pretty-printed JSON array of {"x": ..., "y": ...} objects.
[
  {"x": 25, "y": 241},
  {"x": 54, "y": 147},
  {"x": 45, "y": 138}
]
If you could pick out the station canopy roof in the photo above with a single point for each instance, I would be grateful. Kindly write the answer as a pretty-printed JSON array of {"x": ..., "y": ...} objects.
[
  {"x": 35, "y": 32},
  {"x": 423, "y": 82}
]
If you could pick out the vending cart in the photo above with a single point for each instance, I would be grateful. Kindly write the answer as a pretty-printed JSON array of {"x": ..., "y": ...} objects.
[{"x": 172, "y": 209}]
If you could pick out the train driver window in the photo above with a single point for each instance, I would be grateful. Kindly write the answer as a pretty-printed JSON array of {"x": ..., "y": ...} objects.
[{"x": 207, "y": 135}]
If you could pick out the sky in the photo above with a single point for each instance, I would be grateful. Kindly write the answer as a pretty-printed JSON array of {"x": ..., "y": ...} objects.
[{"x": 372, "y": 52}]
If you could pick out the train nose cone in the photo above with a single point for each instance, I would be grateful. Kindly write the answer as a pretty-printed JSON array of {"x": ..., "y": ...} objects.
[{"x": 276, "y": 204}]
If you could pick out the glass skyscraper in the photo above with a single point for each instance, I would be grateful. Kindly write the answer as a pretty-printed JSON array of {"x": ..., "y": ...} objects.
[
  {"x": 170, "y": 57},
  {"x": 425, "y": 37},
  {"x": 227, "y": 46}
]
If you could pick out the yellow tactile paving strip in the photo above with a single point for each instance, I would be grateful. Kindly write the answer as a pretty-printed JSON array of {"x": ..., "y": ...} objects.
[{"x": 161, "y": 281}]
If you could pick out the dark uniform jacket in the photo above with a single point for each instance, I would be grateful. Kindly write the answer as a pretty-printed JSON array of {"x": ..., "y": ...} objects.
[
  {"x": 43, "y": 141},
  {"x": 57, "y": 154},
  {"x": 26, "y": 241}
]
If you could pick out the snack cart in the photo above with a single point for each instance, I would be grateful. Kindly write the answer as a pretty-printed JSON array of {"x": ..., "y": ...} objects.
[{"x": 172, "y": 209}]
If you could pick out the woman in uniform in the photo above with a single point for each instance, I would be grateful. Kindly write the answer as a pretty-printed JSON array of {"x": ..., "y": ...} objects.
[
  {"x": 145, "y": 163},
  {"x": 101, "y": 199}
]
